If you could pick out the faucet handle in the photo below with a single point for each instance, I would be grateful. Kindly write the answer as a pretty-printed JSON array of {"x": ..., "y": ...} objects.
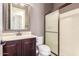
[{"x": 19, "y": 34}]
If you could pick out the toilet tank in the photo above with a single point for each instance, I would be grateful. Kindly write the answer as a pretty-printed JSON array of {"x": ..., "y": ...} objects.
[{"x": 39, "y": 40}]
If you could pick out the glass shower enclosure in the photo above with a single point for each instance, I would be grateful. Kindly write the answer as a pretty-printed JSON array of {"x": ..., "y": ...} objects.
[{"x": 51, "y": 31}]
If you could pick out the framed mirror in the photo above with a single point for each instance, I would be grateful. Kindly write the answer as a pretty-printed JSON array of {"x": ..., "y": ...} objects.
[{"x": 16, "y": 17}]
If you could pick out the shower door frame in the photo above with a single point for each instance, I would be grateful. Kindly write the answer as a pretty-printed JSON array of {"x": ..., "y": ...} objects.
[{"x": 66, "y": 4}]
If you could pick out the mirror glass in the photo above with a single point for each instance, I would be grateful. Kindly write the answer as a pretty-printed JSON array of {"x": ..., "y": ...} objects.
[{"x": 17, "y": 16}]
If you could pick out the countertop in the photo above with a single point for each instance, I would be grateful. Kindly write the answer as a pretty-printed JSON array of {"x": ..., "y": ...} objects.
[
  {"x": 10, "y": 38},
  {"x": 14, "y": 36}
]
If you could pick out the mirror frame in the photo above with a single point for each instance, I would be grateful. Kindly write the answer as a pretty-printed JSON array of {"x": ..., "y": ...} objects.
[{"x": 6, "y": 18}]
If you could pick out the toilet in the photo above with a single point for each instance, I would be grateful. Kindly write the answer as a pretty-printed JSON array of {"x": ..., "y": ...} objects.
[{"x": 41, "y": 49}]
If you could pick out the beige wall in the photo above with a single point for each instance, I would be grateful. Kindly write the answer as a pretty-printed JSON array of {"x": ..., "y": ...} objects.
[
  {"x": 37, "y": 19},
  {"x": 57, "y": 5},
  {"x": 48, "y": 7}
]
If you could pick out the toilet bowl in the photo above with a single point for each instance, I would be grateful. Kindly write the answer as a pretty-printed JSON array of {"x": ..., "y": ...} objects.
[
  {"x": 44, "y": 50},
  {"x": 41, "y": 49}
]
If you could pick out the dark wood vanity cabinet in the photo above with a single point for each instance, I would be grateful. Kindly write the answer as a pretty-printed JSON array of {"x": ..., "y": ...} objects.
[
  {"x": 10, "y": 48},
  {"x": 25, "y": 47},
  {"x": 28, "y": 47}
]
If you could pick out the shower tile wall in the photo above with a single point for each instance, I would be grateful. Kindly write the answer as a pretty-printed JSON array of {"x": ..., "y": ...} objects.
[{"x": 69, "y": 33}]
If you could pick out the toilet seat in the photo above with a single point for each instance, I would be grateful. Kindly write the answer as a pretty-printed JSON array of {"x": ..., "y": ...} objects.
[{"x": 43, "y": 48}]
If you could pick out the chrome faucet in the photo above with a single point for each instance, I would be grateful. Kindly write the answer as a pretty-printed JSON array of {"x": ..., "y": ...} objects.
[{"x": 19, "y": 33}]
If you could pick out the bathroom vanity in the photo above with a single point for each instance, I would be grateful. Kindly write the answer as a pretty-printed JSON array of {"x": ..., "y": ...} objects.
[
  {"x": 22, "y": 47},
  {"x": 16, "y": 22}
]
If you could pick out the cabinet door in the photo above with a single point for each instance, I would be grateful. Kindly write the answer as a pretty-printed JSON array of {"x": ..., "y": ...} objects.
[
  {"x": 10, "y": 48},
  {"x": 29, "y": 47}
]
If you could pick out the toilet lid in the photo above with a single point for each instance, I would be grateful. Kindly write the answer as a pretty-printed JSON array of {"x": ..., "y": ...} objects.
[{"x": 44, "y": 48}]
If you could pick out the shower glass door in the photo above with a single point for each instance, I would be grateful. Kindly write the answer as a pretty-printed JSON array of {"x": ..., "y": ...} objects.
[{"x": 51, "y": 31}]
